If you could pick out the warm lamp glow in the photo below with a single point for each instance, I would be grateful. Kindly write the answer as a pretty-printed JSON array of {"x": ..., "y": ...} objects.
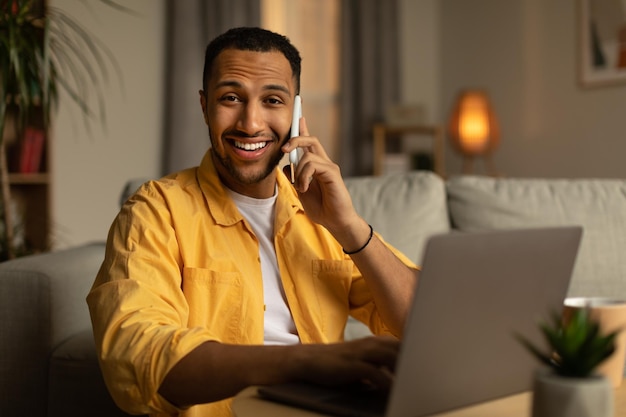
[
  {"x": 473, "y": 123},
  {"x": 473, "y": 128}
]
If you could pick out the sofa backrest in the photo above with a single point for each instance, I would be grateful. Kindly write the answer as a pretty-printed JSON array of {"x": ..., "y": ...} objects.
[
  {"x": 599, "y": 206},
  {"x": 42, "y": 303},
  {"x": 405, "y": 208}
]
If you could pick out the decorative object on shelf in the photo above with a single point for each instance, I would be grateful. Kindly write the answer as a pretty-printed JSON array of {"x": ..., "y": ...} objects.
[
  {"x": 570, "y": 386},
  {"x": 602, "y": 43},
  {"x": 43, "y": 50},
  {"x": 32, "y": 150},
  {"x": 473, "y": 129},
  {"x": 405, "y": 115},
  {"x": 381, "y": 132}
]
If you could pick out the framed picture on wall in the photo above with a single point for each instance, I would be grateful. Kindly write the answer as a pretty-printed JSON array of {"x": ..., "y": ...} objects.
[{"x": 602, "y": 49}]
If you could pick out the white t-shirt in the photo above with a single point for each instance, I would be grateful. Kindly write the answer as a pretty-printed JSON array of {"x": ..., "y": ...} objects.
[{"x": 279, "y": 326}]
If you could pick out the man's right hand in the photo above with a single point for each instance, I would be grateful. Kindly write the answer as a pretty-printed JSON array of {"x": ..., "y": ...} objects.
[
  {"x": 370, "y": 360},
  {"x": 214, "y": 371}
]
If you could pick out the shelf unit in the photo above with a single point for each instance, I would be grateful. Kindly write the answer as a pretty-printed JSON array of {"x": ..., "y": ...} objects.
[
  {"x": 382, "y": 132},
  {"x": 30, "y": 188},
  {"x": 30, "y": 195}
]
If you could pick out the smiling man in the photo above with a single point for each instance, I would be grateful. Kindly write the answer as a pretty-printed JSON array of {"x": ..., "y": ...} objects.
[
  {"x": 226, "y": 275},
  {"x": 247, "y": 110}
]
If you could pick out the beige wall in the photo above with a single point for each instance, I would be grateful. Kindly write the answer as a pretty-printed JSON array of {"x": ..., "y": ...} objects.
[
  {"x": 90, "y": 169},
  {"x": 524, "y": 52},
  {"x": 419, "y": 49}
]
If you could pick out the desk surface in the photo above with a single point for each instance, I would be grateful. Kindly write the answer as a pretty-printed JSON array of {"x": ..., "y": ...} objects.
[{"x": 248, "y": 404}]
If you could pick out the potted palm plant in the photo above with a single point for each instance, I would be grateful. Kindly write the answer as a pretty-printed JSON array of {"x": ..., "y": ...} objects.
[
  {"x": 43, "y": 51},
  {"x": 569, "y": 385}
]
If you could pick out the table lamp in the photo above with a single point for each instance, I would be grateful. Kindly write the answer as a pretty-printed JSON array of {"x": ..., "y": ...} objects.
[{"x": 473, "y": 129}]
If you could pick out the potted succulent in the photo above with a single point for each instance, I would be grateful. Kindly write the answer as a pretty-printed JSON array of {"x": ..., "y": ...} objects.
[
  {"x": 569, "y": 385},
  {"x": 42, "y": 51}
]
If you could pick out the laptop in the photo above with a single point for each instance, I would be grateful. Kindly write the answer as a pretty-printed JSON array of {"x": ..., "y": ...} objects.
[{"x": 475, "y": 292}]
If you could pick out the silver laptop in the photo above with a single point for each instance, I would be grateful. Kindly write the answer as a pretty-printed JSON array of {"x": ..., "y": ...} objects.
[{"x": 476, "y": 291}]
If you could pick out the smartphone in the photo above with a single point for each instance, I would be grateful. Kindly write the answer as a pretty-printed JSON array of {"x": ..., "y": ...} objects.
[{"x": 294, "y": 156}]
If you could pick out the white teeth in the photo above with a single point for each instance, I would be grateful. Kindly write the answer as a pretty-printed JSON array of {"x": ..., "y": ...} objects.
[{"x": 250, "y": 146}]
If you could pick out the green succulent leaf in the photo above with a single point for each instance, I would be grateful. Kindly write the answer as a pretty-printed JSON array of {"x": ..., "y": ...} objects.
[{"x": 576, "y": 348}]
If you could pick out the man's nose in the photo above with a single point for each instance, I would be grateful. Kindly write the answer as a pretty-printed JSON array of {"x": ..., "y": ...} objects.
[{"x": 251, "y": 118}]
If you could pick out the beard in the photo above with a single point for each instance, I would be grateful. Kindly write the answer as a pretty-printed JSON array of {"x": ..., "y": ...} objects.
[{"x": 249, "y": 178}]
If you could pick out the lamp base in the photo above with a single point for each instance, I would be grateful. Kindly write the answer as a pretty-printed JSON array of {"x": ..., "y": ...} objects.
[{"x": 490, "y": 167}]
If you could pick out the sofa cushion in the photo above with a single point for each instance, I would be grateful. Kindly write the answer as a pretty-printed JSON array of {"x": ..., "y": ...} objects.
[
  {"x": 24, "y": 343},
  {"x": 76, "y": 384},
  {"x": 599, "y": 206},
  {"x": 42, "y": 303},
  {"x": 405, "y": 208}
]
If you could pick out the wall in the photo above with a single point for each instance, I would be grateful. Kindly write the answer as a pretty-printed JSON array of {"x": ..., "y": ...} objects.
[
  {"x": 419, "y": 51},
  {"x": 91, "y": 168},
  {"x": 524, "y": 53}
]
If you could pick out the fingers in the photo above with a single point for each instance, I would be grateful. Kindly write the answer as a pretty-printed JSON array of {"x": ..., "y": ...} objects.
[
  {"x": 301, "y": 182},
  {"x": 379, "y": 351},
  {"x": 304, "y": 129},
  {"x": 378, "y": 378},
  {"x": 379, "y": 358},
  {"x": 310, "y": 170},
  {"x": 376, "y": 361},
  {"x": 306, "y": 142},
  {"x": 369, "y": 361},
  {"x": 313, "y": 158}
]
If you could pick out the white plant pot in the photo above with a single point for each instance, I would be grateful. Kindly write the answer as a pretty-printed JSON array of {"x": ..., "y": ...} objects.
[{"x": 558, "y": 396}]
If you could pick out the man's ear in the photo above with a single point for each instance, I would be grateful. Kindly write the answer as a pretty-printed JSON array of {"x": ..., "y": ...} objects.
[{"x": 203, "y": 106}]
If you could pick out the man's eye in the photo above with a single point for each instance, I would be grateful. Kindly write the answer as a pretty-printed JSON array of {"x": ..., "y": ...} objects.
[
  {"x": 273, "y": 101},
  {"x": 230, "y": 98}
]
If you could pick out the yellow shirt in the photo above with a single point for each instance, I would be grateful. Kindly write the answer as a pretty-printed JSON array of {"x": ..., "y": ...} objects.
[{"x": 182, "y": 267}]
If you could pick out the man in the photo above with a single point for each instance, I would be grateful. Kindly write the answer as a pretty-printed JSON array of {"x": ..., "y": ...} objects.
[{"x": 226, "y": 275}]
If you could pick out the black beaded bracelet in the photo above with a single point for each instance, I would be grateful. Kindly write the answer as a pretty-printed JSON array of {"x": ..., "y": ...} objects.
[{"x": 369, "y": 239}]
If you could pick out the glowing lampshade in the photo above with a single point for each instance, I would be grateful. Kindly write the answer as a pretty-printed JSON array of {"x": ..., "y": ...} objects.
[{"x": 473, "y": 128}]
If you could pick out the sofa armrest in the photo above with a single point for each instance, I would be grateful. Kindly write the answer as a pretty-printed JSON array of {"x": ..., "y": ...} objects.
[{"x": 42, "y": 303}]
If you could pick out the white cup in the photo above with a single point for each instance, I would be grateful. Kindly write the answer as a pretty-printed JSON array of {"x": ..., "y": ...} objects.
[{"x": 610, "y": 313}]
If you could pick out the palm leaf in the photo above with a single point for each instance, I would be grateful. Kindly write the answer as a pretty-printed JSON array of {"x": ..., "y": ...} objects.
[{"x": 38, "y": 55}]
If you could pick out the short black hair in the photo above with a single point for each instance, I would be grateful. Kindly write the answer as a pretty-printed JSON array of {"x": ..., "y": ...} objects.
[{"x": 252, "y": 39}]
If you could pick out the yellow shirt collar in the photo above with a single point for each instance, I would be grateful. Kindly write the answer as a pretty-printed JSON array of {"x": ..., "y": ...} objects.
[{"x": 222, "y": 207}]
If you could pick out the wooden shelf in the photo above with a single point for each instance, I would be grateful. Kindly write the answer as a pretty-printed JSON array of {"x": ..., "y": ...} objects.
[
  {"x": 28, "y": 157},
  {"x": 381, "y": 132},
  {"x": 42, "y": 178},
  {"x": 30, "y": 195}
]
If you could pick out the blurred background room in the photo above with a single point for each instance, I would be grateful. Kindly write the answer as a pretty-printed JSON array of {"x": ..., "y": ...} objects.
[{"x": 365, "y": 62}]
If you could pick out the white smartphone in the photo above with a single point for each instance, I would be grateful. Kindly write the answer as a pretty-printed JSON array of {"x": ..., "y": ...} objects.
[{"x": 294, "y": 156}]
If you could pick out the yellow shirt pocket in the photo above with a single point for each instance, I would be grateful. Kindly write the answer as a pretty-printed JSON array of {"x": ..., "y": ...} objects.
[{"x": 215, "y": 299}]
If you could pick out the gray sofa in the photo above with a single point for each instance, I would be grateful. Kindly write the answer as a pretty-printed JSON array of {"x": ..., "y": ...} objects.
[{"x": 48, "y": 365}]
